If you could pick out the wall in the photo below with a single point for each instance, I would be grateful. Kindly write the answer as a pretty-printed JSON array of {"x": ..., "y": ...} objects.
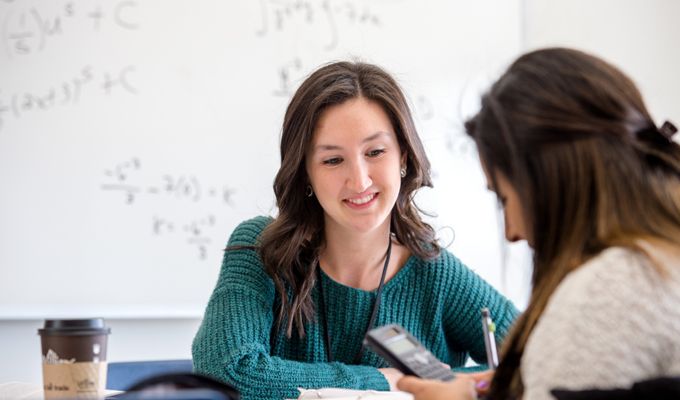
[{"x": 640, "y": 37}]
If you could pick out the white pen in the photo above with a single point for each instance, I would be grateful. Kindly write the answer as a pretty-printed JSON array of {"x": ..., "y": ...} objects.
[{"x": 489, "y": 329}]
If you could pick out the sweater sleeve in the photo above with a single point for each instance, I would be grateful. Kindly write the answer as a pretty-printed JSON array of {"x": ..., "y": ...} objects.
[
  {"x": 469, "y": 293},
  {"x": 233, "y": 341}
]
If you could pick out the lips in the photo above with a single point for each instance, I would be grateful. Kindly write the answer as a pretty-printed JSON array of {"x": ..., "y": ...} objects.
[{"x": 361, "y": 201}]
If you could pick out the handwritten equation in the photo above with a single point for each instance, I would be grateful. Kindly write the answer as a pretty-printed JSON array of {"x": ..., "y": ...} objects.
[
  {"x": 181, "y": 187},
  {"x": 28, "y": 30},
  {"x": 68, "y": 92},
  {"x": 280, "y": 15},
  {"x": 195, "y": 232},
  {"x": 325, "y": 20},
  {"x": 287, "y": 73},
  {"x": 121, "y": 177}
]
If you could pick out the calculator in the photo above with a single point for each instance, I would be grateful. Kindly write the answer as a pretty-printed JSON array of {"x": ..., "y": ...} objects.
[{"x": 405, "y": 353}]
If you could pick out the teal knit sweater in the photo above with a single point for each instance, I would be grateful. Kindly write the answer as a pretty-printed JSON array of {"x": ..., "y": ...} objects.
[{"x": 438, "y": 301}]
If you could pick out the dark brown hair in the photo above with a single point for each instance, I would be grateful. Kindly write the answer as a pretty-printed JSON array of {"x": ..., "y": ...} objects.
[
  {"x": 572, "y": 135},
  {"x": 290, "y": 245}
]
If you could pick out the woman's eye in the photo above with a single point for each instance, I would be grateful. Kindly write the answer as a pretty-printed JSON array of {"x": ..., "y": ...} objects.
[
  {"x": 375, "y": 153},
  {"x": 333, "y": 161}
]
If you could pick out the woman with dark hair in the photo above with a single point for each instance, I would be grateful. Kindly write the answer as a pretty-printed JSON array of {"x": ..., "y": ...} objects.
[
  {"x": 347, "y": 251},
  {"x": 587, "y": 178}
]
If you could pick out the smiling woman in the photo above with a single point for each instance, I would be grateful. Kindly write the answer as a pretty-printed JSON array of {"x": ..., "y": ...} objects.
[
  {"x": 347, "y": 251},
  {"x": 354, "y": 168}
]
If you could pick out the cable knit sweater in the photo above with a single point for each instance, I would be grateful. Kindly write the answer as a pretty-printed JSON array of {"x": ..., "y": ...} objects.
[
  {"x": 438, "y": 301},
  {"x": 612, "y": 322}
]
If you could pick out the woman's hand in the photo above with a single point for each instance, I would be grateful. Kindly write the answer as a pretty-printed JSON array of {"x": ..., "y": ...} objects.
[
  {"x": 482, "y": 380},
  {"x": 392, "y": 375},
  {"x": 461, "y": 388}
]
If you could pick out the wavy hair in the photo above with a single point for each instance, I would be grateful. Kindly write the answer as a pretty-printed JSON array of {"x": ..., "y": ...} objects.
[
  {"x": 574, "y": 138},
  {"x": 290, "y": 245}
]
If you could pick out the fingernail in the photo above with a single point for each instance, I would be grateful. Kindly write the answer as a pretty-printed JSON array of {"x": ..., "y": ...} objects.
[{"x": 482, "y": 384}]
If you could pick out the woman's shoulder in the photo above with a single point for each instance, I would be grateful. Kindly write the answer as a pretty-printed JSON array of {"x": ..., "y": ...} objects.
[
  {"x": 241, "y": 265},
  {"x": 444, "y": 268},
  {"x": 248, "y": 231},
  {"x": 619, "y": 289},
  {"x": 615, "y": 272},
  {"x": 443, "y": 259},
  {"x": 445, "y": 263},
  {"x": 615, "y": 280}
]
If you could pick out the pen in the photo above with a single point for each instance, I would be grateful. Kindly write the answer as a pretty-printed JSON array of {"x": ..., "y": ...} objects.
[{"x": 489, "y": 329}]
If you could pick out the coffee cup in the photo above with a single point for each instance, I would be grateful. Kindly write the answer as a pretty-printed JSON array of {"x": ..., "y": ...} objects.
[{"x": 74, "y": 357}]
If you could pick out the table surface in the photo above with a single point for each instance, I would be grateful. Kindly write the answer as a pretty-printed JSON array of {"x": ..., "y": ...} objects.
[
  {"x": 29, "y": 391},
  {"x": 33, "y": 391}
]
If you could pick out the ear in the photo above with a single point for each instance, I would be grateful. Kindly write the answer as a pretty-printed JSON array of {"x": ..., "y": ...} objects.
[{"x": 404, "y": 159}]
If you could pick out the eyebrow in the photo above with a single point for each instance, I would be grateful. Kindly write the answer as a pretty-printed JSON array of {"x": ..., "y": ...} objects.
[{"x": 322, "y": 147}]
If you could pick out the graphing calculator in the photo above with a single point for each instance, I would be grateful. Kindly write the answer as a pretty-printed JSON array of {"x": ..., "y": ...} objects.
[{"x": 405, "y": 353}]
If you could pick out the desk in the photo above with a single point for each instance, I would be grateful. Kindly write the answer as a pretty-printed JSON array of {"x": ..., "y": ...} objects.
[
  {"x": 20, "y": 391},
  {"x": 29, "y": 391},
  {"x": 32, "y": 391}
]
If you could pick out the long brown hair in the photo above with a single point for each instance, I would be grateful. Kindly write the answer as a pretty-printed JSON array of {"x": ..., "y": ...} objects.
[
  {"x": 572, "y": 135},
  {"x": 289, "y": 246}
]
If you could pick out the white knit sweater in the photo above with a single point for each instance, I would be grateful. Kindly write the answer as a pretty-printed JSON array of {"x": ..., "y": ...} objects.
[{"x": 611, "y": 322}]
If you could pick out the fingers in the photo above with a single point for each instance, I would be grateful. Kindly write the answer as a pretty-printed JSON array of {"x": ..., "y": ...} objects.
[
  {"x": 464, "y": 387},
  {"x": 482, "y": 380},
  {"x": 392, "y": 375},
  {"x": 411, "y": 384},
  {"x": 484, "y": 376},
  {"x": 477, "y": 376},
  {"x": 458, "y": 389},
  {"x": 482, "y": 387}
]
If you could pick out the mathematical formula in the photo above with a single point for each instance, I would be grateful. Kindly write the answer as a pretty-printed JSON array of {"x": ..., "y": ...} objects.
[
  {"x": 120, "y": 179},
  {"x": 281, "y": 15},
  {"x": 324, "y": 20},
  {"x": 123, "y": 178},
  {"x": 87, "y": 81},
  {"x": 27, "y": 30},
  {"x": 195, "y": 232}
]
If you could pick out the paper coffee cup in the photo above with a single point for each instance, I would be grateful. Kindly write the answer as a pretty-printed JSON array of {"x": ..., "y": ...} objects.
[{"x": 74, "y": 357}]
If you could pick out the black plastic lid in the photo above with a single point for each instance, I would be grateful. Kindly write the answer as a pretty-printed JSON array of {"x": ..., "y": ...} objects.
[{"x": 74, "y": 327}]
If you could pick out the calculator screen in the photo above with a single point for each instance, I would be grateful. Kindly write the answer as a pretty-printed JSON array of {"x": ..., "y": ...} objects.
[
  {"x": 401, "y": 346},
  {"x": 391, "y": 333}
]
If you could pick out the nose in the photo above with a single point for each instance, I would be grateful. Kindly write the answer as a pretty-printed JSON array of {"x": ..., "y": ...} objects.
[
  {"x": 511, "y": 232},
  {"x": 358, "y": 177}
]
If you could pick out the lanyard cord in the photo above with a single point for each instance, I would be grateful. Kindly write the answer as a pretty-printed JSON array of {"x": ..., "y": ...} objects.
[{"x": 374, "y": 313}]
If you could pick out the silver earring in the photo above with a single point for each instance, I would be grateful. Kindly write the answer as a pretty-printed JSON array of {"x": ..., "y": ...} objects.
[
  {"x": 403, "y": 172},
  {"x": 309, "y": 192}
]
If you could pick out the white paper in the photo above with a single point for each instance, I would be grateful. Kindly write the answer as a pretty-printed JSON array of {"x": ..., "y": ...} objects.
[{"x": 347, "y": 394}]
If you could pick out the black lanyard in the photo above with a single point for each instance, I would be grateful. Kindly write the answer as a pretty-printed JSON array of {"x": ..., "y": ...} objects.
[{"x": 374, "y": 313}]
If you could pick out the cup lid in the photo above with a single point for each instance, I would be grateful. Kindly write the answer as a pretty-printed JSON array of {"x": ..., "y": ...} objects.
[{"x": 73, "y": 327}]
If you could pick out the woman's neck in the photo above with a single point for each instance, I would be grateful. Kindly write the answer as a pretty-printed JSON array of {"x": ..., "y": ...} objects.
[{"x": 355, "y": 259}]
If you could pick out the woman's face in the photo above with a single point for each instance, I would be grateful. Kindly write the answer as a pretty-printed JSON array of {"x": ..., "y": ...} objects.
[
  {"x": 354, "y": 164},
  {"x": 515, "y": 225}
]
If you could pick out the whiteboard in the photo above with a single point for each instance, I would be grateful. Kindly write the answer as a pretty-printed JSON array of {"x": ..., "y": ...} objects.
[{"x": 136, "y": 134}]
